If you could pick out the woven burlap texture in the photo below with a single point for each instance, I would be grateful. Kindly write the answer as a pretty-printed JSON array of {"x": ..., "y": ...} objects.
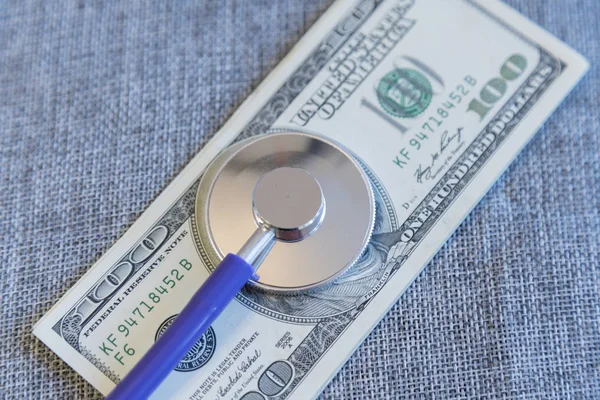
[{"x": 103, "y": 103}]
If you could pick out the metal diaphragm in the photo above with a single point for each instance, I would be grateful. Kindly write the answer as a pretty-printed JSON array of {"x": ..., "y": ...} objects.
[{"x": 225, "y": 217}]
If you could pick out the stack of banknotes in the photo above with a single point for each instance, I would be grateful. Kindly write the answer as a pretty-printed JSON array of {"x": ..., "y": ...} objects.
[{"x": 436, "y": 98}]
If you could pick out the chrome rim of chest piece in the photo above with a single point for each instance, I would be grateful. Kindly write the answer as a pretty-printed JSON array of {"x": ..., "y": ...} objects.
[{"x": 226, "y": 213}]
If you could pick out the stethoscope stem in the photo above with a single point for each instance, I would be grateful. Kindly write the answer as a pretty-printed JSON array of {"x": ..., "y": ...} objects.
[{"x": 256, "y": 249}]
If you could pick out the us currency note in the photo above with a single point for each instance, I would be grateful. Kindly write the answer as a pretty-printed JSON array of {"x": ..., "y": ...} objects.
[{"x": 436, "y": 98}]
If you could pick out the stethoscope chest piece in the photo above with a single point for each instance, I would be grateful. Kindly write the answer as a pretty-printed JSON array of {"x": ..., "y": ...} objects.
[{"x": 310, "y": 192}]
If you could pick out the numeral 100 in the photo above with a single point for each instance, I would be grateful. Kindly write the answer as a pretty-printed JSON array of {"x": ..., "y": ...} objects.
[{"x": 495, "y": 88}]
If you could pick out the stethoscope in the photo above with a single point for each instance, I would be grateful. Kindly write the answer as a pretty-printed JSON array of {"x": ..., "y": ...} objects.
[{"x": 308, "y": 209}]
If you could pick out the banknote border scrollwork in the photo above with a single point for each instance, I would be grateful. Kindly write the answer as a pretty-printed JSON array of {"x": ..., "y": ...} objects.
[{"x": 106, "y": 370}]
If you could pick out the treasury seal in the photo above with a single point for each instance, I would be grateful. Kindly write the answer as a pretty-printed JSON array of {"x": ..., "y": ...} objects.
[
  {"x": 404, "y": 93},
  {"x": 200, "y": 353}
]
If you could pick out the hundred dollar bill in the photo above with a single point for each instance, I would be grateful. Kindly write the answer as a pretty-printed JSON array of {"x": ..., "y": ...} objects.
[{"x": 435, "y": 97}]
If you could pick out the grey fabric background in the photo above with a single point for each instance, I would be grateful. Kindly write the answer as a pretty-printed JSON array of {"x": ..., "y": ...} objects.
[{"x": 103, "y": 103}]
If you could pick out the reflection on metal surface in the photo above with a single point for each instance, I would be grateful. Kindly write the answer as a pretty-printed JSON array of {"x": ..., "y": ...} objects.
[{"x": 225, "y": 217}]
